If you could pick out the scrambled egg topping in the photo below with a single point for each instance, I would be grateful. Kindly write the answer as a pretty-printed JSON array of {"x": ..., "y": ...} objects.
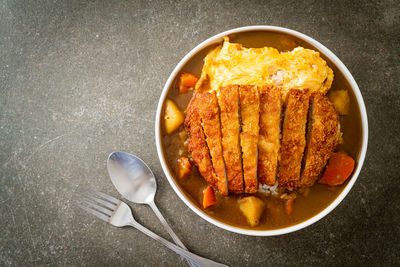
[{"x": 231, "y": 63}]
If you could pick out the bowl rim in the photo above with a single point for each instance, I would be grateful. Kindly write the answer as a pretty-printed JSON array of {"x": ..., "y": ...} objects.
[{"x": 364, "y": 121}]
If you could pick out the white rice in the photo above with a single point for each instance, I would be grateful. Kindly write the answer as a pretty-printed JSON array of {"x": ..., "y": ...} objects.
[
  {"x": 269, "y": 190},
  {"x": 277, "y": 78}
]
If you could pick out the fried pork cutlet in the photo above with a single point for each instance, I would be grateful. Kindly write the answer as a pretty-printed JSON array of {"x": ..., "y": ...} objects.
[
  {"x": 228, "y": 100},
  {"x": 293, "y": 138},
  {"x": 323, "y": 135},
  {"x": 250, "y": 113},
  {"x": 209, "y": 113},
  {"x": 269, "y": 139},
  {"x": 197, "y": 144}
]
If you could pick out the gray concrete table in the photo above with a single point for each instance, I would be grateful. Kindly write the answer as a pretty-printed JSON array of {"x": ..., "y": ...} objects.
[{"x": 79, "y": 79}]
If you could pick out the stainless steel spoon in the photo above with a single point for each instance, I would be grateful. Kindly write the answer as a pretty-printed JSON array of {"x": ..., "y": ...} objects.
[{"x": 136, "y": 182}]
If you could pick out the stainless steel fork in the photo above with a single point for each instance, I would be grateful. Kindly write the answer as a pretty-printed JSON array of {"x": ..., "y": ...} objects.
[{"x": 118, "y": 213}]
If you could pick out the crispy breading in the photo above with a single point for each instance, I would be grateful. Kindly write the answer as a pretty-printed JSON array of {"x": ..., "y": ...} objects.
[
  {"x": 250, "y": 113},
  {"x": 228, "y": 100},
  {"x": 269, "y": 138},
  {"x": 293, "y": 138},
  {"x": 209, "y": 113},
  {"x": 323, "y": 135},
  {"x": 197, "y": 144}
]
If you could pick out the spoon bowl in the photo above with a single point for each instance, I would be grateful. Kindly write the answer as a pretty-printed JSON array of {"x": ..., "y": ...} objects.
[{"x": 132, "y": 177}]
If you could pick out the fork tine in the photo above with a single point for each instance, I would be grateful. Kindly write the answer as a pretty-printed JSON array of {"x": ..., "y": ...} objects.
[
  {"x": 107, "y": 204},
  {"x": 104, "y": 203},
  {"x": 105, "y": 196},
  {"x": 97, "y": 207},
  {"x": 91, "y": 211}
]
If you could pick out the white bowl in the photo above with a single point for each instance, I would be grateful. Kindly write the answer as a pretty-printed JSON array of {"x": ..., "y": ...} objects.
[{"x": 217, "y": 39}]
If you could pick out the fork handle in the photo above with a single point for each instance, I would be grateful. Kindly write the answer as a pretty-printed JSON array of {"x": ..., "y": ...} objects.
[
  {"x": 184, "y": 253},
  {"x": 169, "y": 229}
]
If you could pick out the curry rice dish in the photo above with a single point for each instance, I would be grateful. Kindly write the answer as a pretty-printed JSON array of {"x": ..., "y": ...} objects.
[{"x": 261, "y": 130}]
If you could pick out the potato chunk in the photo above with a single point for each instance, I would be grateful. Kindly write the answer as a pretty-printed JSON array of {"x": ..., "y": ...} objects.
[
  {"x": 340, "y": 100},
  {"x": 252, "y": 207},
  {"x": 173, "y": 116}
]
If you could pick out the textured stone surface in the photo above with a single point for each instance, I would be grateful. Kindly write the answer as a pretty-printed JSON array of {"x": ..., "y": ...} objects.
[{"x": 81, "y": 79}]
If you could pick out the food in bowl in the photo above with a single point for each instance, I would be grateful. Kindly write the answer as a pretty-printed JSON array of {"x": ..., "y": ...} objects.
[{"x": 259, "y": 131}]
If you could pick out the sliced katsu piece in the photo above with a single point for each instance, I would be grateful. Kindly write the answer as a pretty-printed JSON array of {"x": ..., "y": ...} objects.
[
  {"x": 269, "y": 138},
  {"x": 197, "y": 143},
  {"x": 250, "y": 114},
  {"x": 293, "y": 138},
  {"x": 209, "y": 114},
  {"x": 322, "y": 137},
  {"x": 228, "y": 100}
]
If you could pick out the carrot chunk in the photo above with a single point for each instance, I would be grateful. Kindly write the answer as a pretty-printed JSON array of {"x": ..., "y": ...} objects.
[
  {"x": 339, "y": 168},
  {"x": 183, "y": 167},
  {"x": 187, "y": 81},
  {"x": 208, "y": 197},
  {"x": 289, "y": 205}
]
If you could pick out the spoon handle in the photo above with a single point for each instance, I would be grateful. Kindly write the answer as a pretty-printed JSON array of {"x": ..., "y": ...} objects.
[
  {"x": 169, "y": 229},
  {"x": 166, "y": 225},
  {"x": 191, "y": 257}
]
